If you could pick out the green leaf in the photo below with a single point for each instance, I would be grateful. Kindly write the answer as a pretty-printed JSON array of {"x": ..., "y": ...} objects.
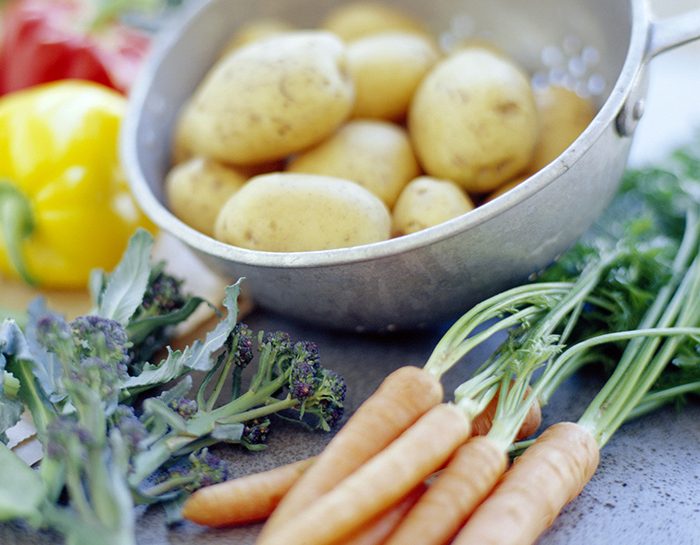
[
  {"x": 12, "y": 344},
  {"x": 96, "y": 286},
  {"x": 197, "y": 356},
  {"x": 155, "y": 407},
  {"x": 139, "y": 330},
  {"x": 22, "y": 490},
  {"x": 10, "y": 413},
  {"x": 45, "y": 365},
  {"x": 127, "y": 284},
  {"x": 180, "y": 390}
]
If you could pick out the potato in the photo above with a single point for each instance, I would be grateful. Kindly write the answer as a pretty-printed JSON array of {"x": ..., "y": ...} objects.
[
  {"x": 358, "y": 19},
  {"x": 271, "y": 98},
  {"x": 254, "y": 31},
  {"x": 296, "y": 213},
  {"x": 181, "y": 148},
  {"x": 426, "y": 202},
  {"x": 182, "y": 152},
  {"x": 563, "y": 116},
  {"x": 473, "y": 120},
  {"x": 472, "y": 42},
  {"x": 197, "y": 189},
  {"x": 387, "y": 69},
  {"x": 375, "y": 154}
]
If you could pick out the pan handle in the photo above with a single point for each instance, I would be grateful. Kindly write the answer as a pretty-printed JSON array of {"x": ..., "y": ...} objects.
[{"x": 665, "y": 34}]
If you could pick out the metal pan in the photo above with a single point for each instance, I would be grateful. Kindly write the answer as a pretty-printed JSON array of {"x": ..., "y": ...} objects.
[{"x": 435, "y": 274}]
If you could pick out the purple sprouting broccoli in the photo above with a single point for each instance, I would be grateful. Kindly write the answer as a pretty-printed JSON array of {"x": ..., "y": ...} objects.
[
  {"x": 304, "y": 375},
  {"x": 133, "y": 431},
  {"x": 66, "y": 438},
  {"x": 164, "y": 305},
  {"x": 163, "y": 294},
  {"x": 186, "y": 408},
  {"x": 201, "y": 469},
  {"x": 330, "y": 397},
  {"x": 255, "y": 433},
  {"x": 244, "y": 345},
  {"x": 97, "y": 337}
]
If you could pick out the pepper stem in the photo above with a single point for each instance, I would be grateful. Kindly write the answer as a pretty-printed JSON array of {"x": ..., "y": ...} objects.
[{"x": 16, "y": 224}]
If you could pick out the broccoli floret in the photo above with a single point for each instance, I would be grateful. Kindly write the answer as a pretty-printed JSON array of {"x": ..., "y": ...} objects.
[
  {"x": 163, "y": 294},
  {"x": 277, "y": 341},
  {"x": 201, "y": 469},
  {"x": 65, "y": 437},
  {"x": 102, "y": 338},
  {"x": 132, "y": 429},
  {"x": 330, "y": 397},
  {"x": 54, "y": 334},
  {"x": 186, "y": 408},
  {"x": 304, "y": 370},
  {"x": 100, "y": 376},
  {"x": 163, "y": 297},
  {"x": 244, "y": 347},
  {"x": 256, "y": 432}
]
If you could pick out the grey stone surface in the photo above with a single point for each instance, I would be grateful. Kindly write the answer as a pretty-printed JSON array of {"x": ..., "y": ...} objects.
[{"x": 646, "y": 491}]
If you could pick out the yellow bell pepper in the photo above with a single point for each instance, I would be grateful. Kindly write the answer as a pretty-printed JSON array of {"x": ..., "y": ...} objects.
[{"x": 65, "y": 207}]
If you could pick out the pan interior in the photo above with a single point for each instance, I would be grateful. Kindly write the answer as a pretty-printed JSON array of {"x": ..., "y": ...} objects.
[
  {"x": 580, "y": 44},
  {"x": 568, "y": 40}
]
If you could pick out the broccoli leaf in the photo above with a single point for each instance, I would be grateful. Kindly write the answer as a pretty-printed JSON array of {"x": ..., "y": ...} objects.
[
  {"x": 140, "y": 329},
  {"x": 180, "y": 390},
  {"x": 12, "y": 343},
  {"x": 126, "y": 286},
  {"x": 22, "y": 490},
  {"x": 197, "y": 356},
  {"x": 10, "y": 413},
  {"x": 46, "y": 366}
]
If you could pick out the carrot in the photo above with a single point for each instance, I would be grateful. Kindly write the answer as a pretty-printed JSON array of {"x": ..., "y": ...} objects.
[
  {"x": 551, "y": 473},
  {"x": 382, "y": 526},
  {"x": 404, "y": 396},
  {"x": 248, "y": 499},
  {"x": 482, "y": 423},
  {"x": 379, "y": 483},
  {"x": 468, "y": 478}
]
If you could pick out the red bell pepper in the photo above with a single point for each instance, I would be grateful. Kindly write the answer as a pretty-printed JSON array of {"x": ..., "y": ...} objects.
[{"x": 48, "y": 40}]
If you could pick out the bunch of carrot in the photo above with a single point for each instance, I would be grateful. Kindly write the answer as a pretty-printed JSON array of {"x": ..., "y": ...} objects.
[{"x": 406, "y": 469}]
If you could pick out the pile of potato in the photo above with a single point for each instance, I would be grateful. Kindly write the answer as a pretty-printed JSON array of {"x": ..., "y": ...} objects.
[{"x": 302, "y": 140}]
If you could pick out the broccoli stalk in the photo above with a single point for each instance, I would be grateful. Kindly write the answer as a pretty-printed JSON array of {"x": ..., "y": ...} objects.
[{"x": 289, "y": 379}]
